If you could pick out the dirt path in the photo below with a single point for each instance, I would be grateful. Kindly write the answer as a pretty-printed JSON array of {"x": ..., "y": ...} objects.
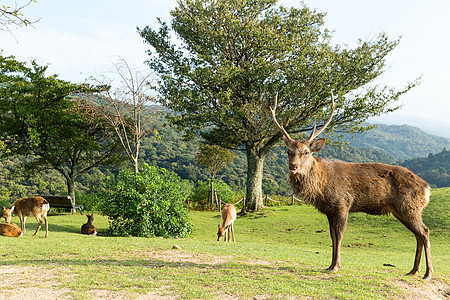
[{"x": 20, "y": 283}]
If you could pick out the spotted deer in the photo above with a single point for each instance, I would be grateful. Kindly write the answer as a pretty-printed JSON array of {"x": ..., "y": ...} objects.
[
  {"x": 27, "y": 207},
  {"x": 337, "y": 188},
  {"x": 9, "y": 229},
  {"x": 228, "y": 218}
]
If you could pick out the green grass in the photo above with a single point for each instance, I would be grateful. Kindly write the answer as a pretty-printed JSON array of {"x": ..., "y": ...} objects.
[{"x": 280, "y": 252}]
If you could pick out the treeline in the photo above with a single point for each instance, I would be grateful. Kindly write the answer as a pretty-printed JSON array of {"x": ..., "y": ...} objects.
[{"x": 435, "y": 169}]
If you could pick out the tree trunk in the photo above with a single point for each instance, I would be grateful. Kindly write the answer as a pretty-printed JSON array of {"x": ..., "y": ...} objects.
[
  {"x": 212, "y": 192},
  {"x": 71, "y": 188},
  {"x": 255, "y": 164}
]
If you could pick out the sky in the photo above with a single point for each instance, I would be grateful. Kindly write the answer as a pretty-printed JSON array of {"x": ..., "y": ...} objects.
[{"x": 79, "y": 39}]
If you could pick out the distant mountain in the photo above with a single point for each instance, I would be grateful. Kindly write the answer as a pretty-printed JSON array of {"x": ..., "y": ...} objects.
[
  {"x": 400, "y": 141},
  {"x": 434, "y": 127},
  {"x": 435, "y": 169}
]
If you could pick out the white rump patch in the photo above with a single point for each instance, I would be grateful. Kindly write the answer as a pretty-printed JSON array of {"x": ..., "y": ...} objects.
[{"x": 427, "y": 194}]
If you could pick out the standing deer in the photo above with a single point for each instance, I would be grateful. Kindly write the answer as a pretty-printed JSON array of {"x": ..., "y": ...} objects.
[
  {"x": 337, "y": 188},
  {"x": 26, "y": 207},
  {"x": 228, "y": 218},
  {"x": 88, "y": 228}
]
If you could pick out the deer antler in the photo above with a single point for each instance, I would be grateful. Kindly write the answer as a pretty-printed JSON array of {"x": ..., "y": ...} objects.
[
  {"x": 285, "y": 134},
  {"x": 313, "y": 134}
]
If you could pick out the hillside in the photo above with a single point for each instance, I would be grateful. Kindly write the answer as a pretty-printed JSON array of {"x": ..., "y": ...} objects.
[
  {"x": 435, "y": 169},
  {"x": 401, "y": 142}
]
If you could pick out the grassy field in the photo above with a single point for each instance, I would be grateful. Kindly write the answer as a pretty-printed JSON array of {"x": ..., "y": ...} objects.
[{"x": 279, "y": 253}]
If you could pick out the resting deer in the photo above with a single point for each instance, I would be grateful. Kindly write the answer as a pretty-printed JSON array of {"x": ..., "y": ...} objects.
[
  {"x": 26, "y": 207},
  {"x": 11, "y": 230},
  {"x": 228, "y": 218},
  {"x": 88, "y": 228},
  {"x": 337, "y": 188}
]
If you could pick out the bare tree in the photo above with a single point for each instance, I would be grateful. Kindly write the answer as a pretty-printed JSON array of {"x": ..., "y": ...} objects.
[
  {"x": 337, "y": 188},
  {"x": 11, "y": 17},
  {"x": 126, "y": 106}
]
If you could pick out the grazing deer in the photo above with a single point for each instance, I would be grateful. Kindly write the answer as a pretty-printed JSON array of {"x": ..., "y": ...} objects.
[
  {"x": 88, "y": 228},
  {"x": 12, "y": 230},
  {"x": 26, "y": 207},
  {"x": 228, "y": 218},
  {"x": 337, "y": 188}
]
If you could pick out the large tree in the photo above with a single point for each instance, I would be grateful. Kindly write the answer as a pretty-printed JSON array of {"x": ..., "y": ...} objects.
[
  {"x": 47, "y": 120},
  {"x": 231, "y": 58}
]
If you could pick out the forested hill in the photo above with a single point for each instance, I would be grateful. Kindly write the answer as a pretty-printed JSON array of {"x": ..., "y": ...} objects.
[
  {"x": 435, "y": 169},
  {"x": 401, "y": 142}
]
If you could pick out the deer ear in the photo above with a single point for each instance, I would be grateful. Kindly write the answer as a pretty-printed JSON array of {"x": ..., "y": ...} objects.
[{"x": 317, "y": 145}]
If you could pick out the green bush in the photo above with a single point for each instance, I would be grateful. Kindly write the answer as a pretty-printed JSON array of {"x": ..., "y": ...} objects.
[
  {"x": 150, "y": 203},
  {"x": 90, "y": 202}
]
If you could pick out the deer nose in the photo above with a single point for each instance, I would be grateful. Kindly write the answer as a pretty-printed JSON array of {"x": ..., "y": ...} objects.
[{"x": 292, "y": 167}]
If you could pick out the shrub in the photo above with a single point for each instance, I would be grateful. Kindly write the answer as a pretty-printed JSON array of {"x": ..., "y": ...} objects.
[
  {"x": 150, "y": 203},
  {"x": 91, "y": 202}
]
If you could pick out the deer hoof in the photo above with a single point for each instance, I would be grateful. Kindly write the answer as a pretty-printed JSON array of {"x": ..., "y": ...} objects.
[
  {"x": 413, "y": 272},
  {"x": 332, "y": 269}
]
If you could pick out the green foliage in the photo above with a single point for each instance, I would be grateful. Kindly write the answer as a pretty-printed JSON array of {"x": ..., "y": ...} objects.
[
  {"x": 199, "y": 195},
  {"x": 214, "y": 158},
  {"x": 435, "y": 169},
  {"x": 150, "y": 203},
  {"x": 42, "y": 121}
]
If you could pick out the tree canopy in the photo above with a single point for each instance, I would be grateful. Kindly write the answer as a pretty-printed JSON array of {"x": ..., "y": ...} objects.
[
  {"x": 232, "y": 57},
  {"x": 46, "y": 119}
]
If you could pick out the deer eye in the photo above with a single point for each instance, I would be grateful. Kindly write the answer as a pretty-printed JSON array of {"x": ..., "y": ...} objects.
[{"x": 307, "y": 153}]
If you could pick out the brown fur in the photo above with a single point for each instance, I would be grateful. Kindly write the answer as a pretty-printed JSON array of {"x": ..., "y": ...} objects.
[
  {"x": 88, "y": 228},
  {"x": 11, "y": 230},
  {"x": 26, "y": 207},
  {"x": 227, "y": 227}
]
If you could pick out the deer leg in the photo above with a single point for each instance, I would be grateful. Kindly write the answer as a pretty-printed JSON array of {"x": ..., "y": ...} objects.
[
  {"x": 22, "y": 222},
  {"x": 46, "y": 225},
  {"x": 338, "y": 223},
  {"x": 232, "y": 231},
  {"x": 39, "y": 225},
  {"x": 333, "y": 241},
  {"x": 421, "y": 232}
]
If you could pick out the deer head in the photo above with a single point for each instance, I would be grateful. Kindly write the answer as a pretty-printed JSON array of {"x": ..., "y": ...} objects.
[
  {"x": 7, "y": 214},
  {"x": 300, "y": 152}
]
